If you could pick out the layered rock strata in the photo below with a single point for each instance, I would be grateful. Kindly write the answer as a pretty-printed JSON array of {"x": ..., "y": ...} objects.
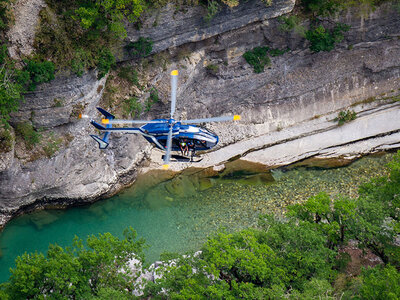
[{"x": 287, "y": 111}]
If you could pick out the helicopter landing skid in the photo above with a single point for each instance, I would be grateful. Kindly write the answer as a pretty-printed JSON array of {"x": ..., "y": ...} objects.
[{"x": 181, "y": 158}]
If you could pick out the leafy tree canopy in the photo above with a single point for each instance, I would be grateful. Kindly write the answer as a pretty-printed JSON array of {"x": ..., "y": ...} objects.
[{"x": 96, "y": 270}]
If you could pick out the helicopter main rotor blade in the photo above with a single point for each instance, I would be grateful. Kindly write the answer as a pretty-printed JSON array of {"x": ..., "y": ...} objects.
[
  {"x": 174, "y": 85},
  {"x": 216, "y": 119},
  {"x": 167, "y": 156},
  {"x": 109, "y": 121}
]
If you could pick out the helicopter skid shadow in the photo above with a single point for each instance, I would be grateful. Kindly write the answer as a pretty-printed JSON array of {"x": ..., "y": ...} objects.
[{"x": 180, "y": 158}]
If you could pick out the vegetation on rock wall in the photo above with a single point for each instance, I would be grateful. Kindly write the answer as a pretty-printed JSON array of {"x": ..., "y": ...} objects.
[
  {"x": 345, "y": 116},
  {"x": 95, "y": 15},
  {"x": 6, "y": 16},
  {"x": 16, "y": 81},
  {"x": 326, "y": 8},
  {"x": 258, "y": 57},
  {"x": 322, "y": 39},
  {"x": 80, "y": 35},
  {"x": 304, "y": 255}
]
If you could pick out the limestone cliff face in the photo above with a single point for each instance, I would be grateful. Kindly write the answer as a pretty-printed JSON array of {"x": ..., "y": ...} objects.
[{"x": 287, "y": 111}]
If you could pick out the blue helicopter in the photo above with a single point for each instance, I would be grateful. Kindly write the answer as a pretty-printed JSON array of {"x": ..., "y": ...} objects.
[{"x": 166, "y": 134}]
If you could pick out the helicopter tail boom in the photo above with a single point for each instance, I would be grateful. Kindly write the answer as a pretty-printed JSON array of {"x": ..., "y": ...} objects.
[
  {"x": 106, "y": 113},
  {"x": 97, "y": 125},
  {"x": 103, "y": 142}
]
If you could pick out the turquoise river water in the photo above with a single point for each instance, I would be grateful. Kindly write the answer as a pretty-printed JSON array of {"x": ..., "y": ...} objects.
[{"x": 182, "y": 223}]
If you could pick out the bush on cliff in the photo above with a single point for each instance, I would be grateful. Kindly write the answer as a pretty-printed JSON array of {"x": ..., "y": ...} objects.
[
  {"x": 108, "y": 14},
  {"x": 258, "y": 58},
  {"x": 79, "y": 35},
  {"x": 323, "y": 39},
  {"x": 11, "y": 89}
]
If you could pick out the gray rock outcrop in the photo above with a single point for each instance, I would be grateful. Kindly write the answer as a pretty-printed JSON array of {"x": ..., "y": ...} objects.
[
  {"x": 22, "y": 32},
  {"x": 287, "y": 111},
  {"x": 172, "y": 26}
]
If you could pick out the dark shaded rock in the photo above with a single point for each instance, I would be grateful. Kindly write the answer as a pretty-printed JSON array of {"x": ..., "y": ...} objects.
[{"x": 171, "y": 27}]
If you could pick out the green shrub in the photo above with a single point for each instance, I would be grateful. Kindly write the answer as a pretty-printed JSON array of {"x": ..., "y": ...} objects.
[
  {"x": 154, "y": 95},
  {"x": 381, "y": 283},
  {"x": 258, "y": 58},
  {"x": 141, "y": 48},
  {"x": 132, "y": 107},
  {"x": 39, "y": 72},
  {"x": 212, "y": 68},
  {"x": 322, "y": 39},
  {"x": 346, "y": 116},
  {"x": 11, "y": 91},
  {"x": 212, "y": 9},
  {"x": 147, "y": 105},
  {"x": 28, "y": 134},
  {"x": 105, "y": 61},
  {"x": 154, "y": 98}
]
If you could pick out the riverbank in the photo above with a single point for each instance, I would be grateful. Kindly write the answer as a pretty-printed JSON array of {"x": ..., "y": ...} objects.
[{"x": 179, "y": 223}]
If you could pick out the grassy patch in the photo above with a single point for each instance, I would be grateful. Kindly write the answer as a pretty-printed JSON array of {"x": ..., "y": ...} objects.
[
  {"x": 162, "y": 60},
  {"x": 129, "y": 74},
  {"x": 30, "y": 136},
  {"x": 396, "y": 98},
  {"x": 6, "y": 140},
  {"x": 132, "y": 107},
  {"x": 278, "y": 52},
  {"x": 152, "y": 99},
  {"x": 52, "y": 146}
]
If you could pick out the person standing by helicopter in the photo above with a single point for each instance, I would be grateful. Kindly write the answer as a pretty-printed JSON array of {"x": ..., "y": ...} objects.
[
  {"x": 192, "y": 148},
  {"x": 184, "y": 147}
]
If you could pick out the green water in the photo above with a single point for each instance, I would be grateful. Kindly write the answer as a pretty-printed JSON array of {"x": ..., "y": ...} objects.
[{"x": 180, "y": 224}]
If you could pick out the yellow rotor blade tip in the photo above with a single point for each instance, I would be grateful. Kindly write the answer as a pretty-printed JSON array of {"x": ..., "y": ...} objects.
[
  {"x": 174, "y": 73},
  {"x": 165, "y": 167},
  {"x": 105, "y": 121},
  {"x": 236, "y": 117}
]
